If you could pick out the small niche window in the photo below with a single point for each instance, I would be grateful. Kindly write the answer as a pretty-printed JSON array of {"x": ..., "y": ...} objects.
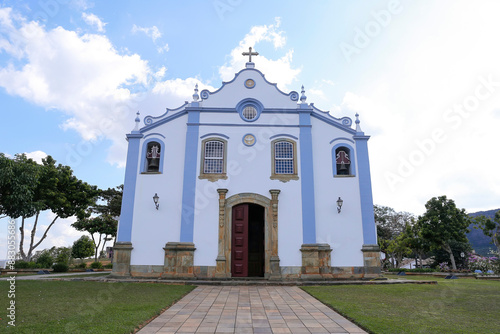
[
  {"x": 213, "y": 164},
  {"x": 284, "y": 166},
  {"x": 153, "y": 157},
  {"x": 343, "y": 161}
]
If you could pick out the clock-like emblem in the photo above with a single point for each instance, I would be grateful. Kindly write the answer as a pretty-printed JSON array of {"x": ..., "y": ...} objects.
[
  {"x": 249, "y": 83},
  {"x": 249, "y": 140}
]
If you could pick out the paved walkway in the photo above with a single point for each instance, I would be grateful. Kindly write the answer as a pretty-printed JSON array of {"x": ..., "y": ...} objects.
[{"x": 249, "y": 309}]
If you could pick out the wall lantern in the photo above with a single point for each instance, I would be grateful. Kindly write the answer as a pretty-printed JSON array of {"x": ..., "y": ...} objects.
[
  {"x": 156, "y": 199},
  {"x": 339, "y": 204}
]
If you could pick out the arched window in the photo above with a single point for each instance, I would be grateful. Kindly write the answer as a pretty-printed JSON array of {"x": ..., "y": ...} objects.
[
  {"x": 284, "y": 156},
  {"x": 213, "y": 159},
  {"x": 343, "y": 162},
  {"x": 153, "y": 154}
]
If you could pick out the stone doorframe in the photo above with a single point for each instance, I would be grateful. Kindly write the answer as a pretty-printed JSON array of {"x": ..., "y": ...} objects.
[{"x": 271, "y": 268}]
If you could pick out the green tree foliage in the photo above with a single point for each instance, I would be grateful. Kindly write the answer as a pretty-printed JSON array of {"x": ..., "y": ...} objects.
[
  {"x": 415, "y": 242},
  {"x": 443, "y": 223},
  {"x": 27, "y": 189},
  {"x": 490, "y": 227},
  {"x": 101, "y": 218},
  {"x": 83, "y": 247},
  {"x": 391, "y": 226}
]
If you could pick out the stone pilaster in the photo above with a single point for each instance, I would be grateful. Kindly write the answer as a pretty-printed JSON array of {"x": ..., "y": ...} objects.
[
  {"x": 371, "y": 260},
  {"x": 221, "y": 267},
  {"x": 179, "y": 260},
  {"x": 315, "y": 261},
  {"x": 121, "y": 259},
  {"x": 274, "y": 260}
]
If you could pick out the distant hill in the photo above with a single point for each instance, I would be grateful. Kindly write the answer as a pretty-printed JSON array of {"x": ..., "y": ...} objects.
[{"x": 481, "y": 243}]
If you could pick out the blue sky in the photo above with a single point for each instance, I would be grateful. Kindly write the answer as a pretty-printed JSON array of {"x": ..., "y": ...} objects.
[{"x": 424, "y": 77}]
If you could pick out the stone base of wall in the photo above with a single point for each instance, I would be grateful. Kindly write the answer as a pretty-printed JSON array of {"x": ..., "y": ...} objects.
[
  {"x": 179, "y": 259},
  {"x": 315, "y": 261},
  {"x": 371, "y": 260},
  {"x": 121, "y": 259}
]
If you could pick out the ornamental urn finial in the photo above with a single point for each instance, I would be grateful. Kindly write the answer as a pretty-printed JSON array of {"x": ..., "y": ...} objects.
[
  {"x": 196, "y": 97},
  {"x": 303, "y": 97}
]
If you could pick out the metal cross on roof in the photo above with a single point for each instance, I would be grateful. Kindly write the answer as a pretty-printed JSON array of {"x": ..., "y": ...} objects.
[{"x": 250, "y": 54}]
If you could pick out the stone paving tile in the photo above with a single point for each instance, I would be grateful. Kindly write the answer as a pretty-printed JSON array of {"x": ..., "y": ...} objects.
[{"x": 249, "y": 309}]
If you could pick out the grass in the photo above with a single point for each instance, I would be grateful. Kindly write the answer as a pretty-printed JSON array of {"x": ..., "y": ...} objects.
[
  {"x": 85, "y": 307},
  {"x": 451, "y": 306}
]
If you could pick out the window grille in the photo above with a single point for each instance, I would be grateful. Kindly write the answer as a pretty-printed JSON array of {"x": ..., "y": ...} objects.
[
  {"x": 283, "y": 158},
  {"x": 214, "y": 157},
  {"x": 249, "y": 113}
]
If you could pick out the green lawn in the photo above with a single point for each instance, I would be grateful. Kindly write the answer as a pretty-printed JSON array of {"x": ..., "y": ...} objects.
[
  {"x": 451, "y": 306},
  {"x": 85, "y": 307}
]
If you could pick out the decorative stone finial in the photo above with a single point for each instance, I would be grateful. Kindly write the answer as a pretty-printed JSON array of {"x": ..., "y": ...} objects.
[
  {"x": 137, "y": 120},
  {"x": 303, "y": 97},
  {"x": 358, "y": 127},
  {"x": 196, "y": 97}
]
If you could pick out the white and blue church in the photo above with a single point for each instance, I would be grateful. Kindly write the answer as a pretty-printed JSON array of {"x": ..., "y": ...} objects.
[{"x": 247, "y": 181}]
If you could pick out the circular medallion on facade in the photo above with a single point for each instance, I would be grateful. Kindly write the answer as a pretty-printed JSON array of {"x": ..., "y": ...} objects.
[
  {"x": 249, "y": 139},
  {"x": 249, "y": 83}
]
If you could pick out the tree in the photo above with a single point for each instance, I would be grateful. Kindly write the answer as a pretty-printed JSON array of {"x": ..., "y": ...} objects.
[
  {"x": 390, "y": 225},
  {"x": 27, "y": 189},
  {"x": 415, "y": 241},
  {"x": 82, "y": 248},
  {"x": 490, "y": 227},
  {"x": 105, "y": 223},
  {"x": 443, "y": 223}
]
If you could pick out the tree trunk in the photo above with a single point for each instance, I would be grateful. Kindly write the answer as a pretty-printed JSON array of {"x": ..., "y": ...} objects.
[
  {"x": 21, "y": 242},
  {"x": 496, "y": 240},
  {"x": 452, "y": 258}
]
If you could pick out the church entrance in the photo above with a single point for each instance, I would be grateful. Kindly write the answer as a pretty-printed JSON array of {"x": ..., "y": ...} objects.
[{"x": 247, "y": 241}]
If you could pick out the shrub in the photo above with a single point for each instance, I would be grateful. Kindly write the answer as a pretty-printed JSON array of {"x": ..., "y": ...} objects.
[
  {"x": 96, "y": 265},
  {"x": 60, "y": 267},
  {"x": 45, "y": 260},
  {"x": 109, "y": 266},
  {"x": 20, "y": 264},
  {"x": 82, "y": 265}
]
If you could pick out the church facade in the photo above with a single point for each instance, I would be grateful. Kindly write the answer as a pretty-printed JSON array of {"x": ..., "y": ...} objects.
[{"x": 247, "y": 181}]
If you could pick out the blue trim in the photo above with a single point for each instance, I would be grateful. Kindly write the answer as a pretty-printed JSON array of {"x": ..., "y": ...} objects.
[
  {"x": 342, "y": 138},
  {"x": 307, "y": 178},
  {"x": 365, "y": 191},
  {"x": 250, "y": 125},
  {"x": 143, "y": 167},
  {"x": 249, "y": 103},
  {"x": 214, "y": 134},
  {"x": 254, "y": 137},
  {"x": 148, "y": 120},
  {"x": 331, "y": 121},
  {"x": 189, "y": 183},
  {"x": 351, "y": 152},
  {"x": 127, "y": 212},
  {"x": 163, "y": 121},
  {"x": 154, "y": 134},
  {"x": 345, "y": 121},
  {"x": 205, "y": 94},
  {"x": 283, "y": 135}
]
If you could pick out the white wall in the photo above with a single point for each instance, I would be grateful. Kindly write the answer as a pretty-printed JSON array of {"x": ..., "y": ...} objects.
[
  {"x": 152, "y": 228},
  {"x": 342, "y": 231}
]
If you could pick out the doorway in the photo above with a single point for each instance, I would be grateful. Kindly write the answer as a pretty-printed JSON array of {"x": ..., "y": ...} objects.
[{"x": 247, "y": 240}]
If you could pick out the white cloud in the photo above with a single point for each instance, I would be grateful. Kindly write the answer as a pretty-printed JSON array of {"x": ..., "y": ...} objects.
[
  {"x": 278, "y": 71},
  {"x": 36, "y": 156},
  {"x": 151, "y": 32},
  {"x": 93, "y": 20},
  {"x": 163, "y": 48}
]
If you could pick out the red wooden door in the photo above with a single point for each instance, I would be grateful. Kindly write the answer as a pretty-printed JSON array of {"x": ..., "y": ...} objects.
[{"x": 239, "y": 249}]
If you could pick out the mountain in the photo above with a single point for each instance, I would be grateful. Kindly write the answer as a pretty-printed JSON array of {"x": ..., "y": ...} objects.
[{"x": 480, "y": 242}]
